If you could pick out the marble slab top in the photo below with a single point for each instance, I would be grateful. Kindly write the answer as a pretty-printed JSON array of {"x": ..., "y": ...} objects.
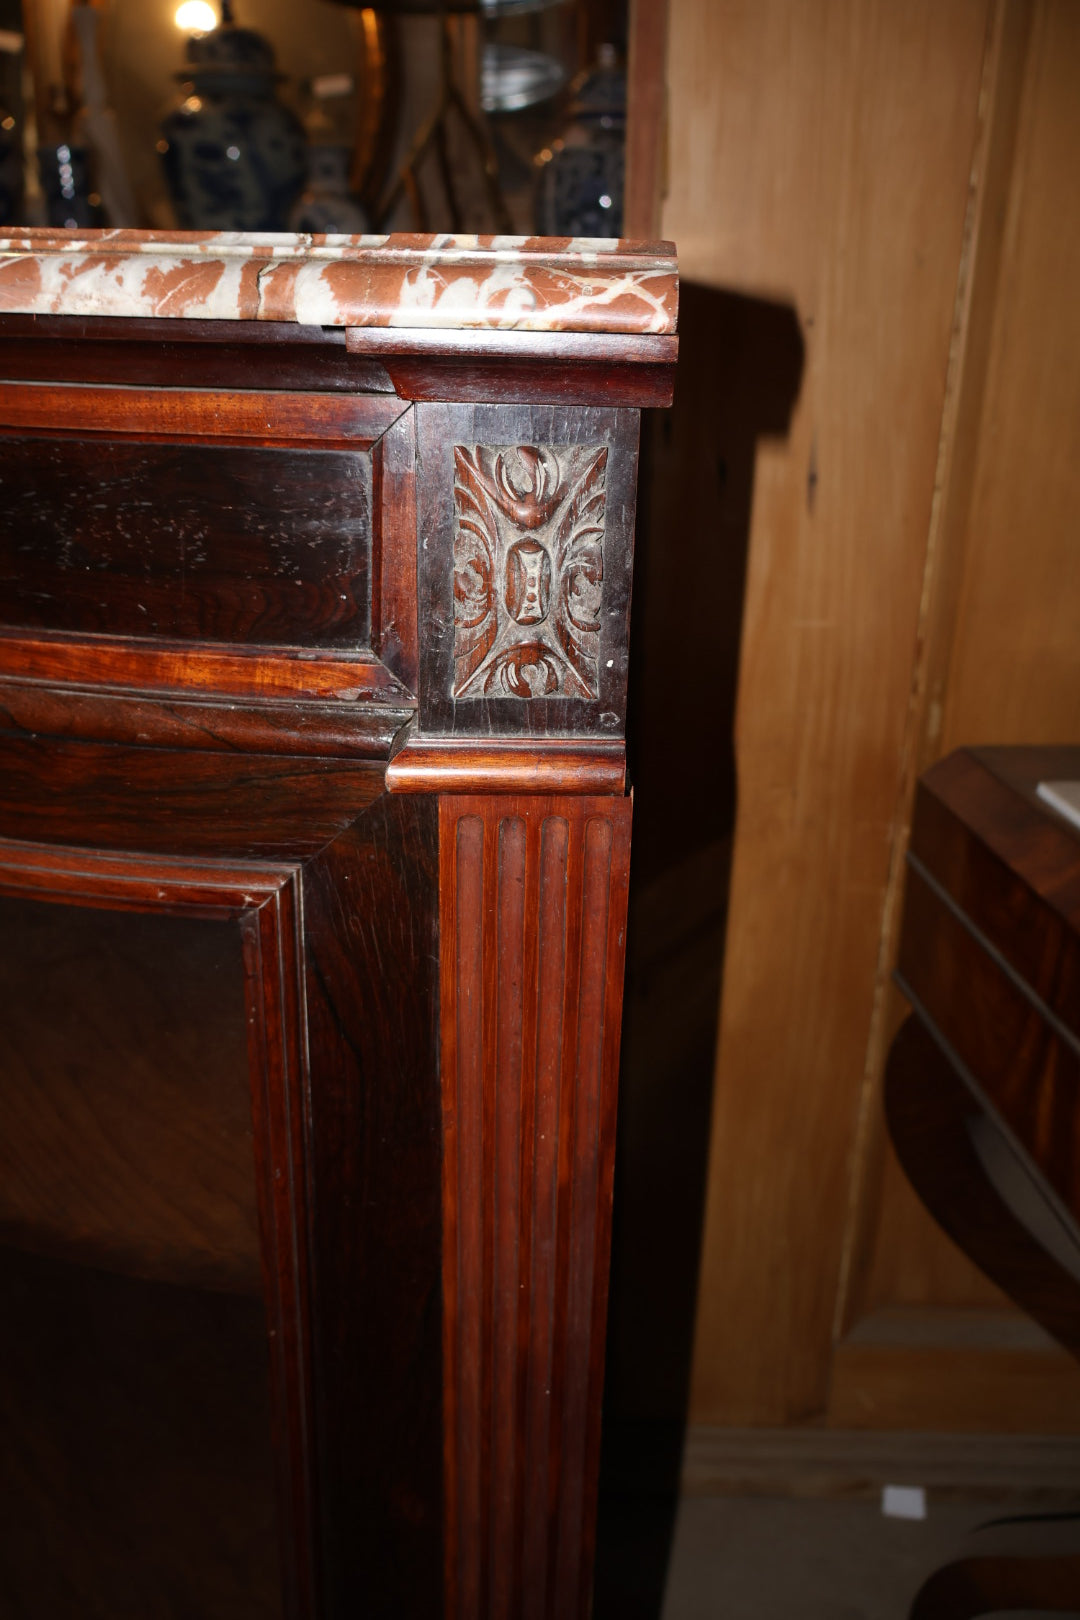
[{"x": 536, "y": 284}]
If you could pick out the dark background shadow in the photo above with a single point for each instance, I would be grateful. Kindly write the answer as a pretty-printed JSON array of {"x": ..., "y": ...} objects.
[{"x": 740, "y": 367}]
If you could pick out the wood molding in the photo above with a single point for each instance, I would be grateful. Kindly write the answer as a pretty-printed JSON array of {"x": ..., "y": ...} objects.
[
  {"x": 264, "y": 897},
  {"x": 355, "y": 421},
  {"x": 225, "y": 670},
  {"x": 857, "y": 1463},
  {"x": 451, "y": 765},
  {"x": 533, "y": 910},
  {"x": 210, "y": 723},
  {"x": 570, "y": 368}
]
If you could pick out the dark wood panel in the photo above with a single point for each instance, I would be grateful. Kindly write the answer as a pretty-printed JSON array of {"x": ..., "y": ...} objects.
[
  {"x": 127, "y": 1137},
  {"x": 1008, "y": 862},
  {"x": 211, "y": 542},
  {"x": 136, "y": 1469},
  {"x": 155, "y": 800},
  {"x": 533, "y": 917},
  {"x": 521, "y": 367},
  {"x": 1028, "y": 1070},
  {"x": 552, "y": 383},
  {"x": 183, "y": 354},
  {"x": 264, "y": 898},
  {"x": 370, "y": 906},
  {"x": 393, "y": 572}
]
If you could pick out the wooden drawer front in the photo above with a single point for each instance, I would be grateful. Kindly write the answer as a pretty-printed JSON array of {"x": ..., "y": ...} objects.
[
  {"x": 228, "y": 543},
  {"x": 1022, "y": 1058}
]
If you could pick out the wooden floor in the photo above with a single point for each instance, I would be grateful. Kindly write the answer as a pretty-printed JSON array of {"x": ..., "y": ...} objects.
[
  {"x": 764, "y": 1558},
  {"x": 774, "y": 1524}
]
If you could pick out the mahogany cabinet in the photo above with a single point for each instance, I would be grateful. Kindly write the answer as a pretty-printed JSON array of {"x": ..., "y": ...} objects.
[{"x": 315, "y": 569}]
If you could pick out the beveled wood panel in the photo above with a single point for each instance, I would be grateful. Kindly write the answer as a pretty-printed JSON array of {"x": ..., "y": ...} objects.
[
  {"x": 264, "y": 899},
  {"x": 533, "y": 910},
  {"x": 110, "y": 1386},
  {"x": 127, "y": 1137},
  {"x": 394, "y": 539},
  {"x": 190, "y": 541},
  {"x": 1024, "y": 1062},
  {"x": 217, "y": 804}
]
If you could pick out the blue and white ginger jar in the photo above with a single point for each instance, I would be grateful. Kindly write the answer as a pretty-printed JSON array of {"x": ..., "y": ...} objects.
[{"x": 234, "y": 156}]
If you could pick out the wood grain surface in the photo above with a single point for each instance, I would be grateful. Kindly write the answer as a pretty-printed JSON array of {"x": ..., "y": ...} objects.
[
  {"x": 371, "y": 916},
  {"x": 123, "y": 1060},
  {"x": 230, "y": 568},
  {"x": 839, "y": 136},
  {"x": 216, "y": 803},
  {"x": 233, "y": 545},
  {"x": 461, "y": 765},
  {"x": 192, "y": 1226},
  {"x": 533, "y": 917},
  {"x": 1003, "y": 664},
  {"x": 542, "y": 708}
]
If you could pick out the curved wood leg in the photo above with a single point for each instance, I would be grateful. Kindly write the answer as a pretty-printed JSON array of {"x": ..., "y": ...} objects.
[
  {"x": 929, "y": 1110},
  {"x": 1035, "y": 1567}
]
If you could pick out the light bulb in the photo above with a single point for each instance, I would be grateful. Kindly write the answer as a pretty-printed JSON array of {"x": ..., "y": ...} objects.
[{"x": 196, "y": 17}]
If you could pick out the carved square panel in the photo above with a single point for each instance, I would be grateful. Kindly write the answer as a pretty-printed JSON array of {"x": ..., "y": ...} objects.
[{"x": 528, "y": 569}]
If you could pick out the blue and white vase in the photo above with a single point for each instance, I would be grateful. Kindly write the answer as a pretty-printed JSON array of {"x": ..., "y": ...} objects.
[
  {"x": 581, "y": 176},
  {"x": 234, "y": 156},
  {"x": 327, "y": 207}
]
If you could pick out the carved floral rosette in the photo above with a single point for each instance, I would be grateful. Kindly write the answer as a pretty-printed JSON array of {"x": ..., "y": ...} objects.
[{"x": 528, "y": 570}]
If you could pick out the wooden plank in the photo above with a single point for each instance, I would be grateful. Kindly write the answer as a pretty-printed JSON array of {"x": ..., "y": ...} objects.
[
  {"x": 533, "y": 924},
  {"x": 646, "y": 125},
  {"x": 814, "y": 1462},
  {"x": 1010, "y": 670},
  {"x": 954, "y": 1386},
  {"x": 1016, "y": 664},
  {"x": 976, "y": 300},
  {"x": 838, "y": 137}
]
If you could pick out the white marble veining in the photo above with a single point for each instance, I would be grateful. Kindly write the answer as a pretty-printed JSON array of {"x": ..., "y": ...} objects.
[{"x": 493, "y": 282}]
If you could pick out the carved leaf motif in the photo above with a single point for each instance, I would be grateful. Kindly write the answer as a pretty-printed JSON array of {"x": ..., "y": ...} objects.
[
  {"x": 528, "y": 570},
  {"x": 528, "y": 670},
  {"x": 579, "y": 565},
  {"x": 476, "y": 546}
]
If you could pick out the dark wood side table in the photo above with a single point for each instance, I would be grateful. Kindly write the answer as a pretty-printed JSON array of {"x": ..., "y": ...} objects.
[
  {"x": 982, "y": 1089},
  {"x": 315, "y": 565}
]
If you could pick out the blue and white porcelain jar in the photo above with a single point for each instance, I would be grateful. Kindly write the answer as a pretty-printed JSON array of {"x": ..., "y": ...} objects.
[
  {"x": 234, "y": 156},
  {"x": 581, "y": 176}
]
